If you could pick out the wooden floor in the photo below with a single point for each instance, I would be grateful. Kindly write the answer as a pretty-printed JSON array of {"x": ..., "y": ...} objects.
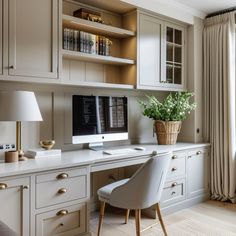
[{"x": 210, "y": 218}]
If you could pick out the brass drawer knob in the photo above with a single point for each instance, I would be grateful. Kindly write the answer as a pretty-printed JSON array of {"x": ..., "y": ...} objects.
[
  {"x": 174, "y": 184},
  {"x": 25, "y": 187},
  {"x": 62, "y": 190},
  {"x": 199, "y": 152},
  {"x": 3, "y": 186},
  {"x": 174, "y": 169},
  {"x": 173, "y": 193},
  {"x": 62, "y": 213},
  {"x": 174, "y": 157},
  {"x": 62, "y": 176}
]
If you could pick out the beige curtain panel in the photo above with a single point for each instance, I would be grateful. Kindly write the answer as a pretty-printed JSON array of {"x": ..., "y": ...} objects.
[{"x": 219, "y": 102}]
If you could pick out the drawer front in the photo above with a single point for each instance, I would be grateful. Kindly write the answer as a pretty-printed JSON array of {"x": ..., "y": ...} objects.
[
  {"x": 177, "y": 167},
  {"x": 56, "y": 192},
  {"x": 174, "y": 191},
  {"x": 70, "y": 220},
  {"x": 198, "y": 151},
  {"x": 61, "y": 174}
]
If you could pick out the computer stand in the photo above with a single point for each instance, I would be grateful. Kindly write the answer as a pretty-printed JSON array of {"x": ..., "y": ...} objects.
[{"x": 96, "y": 146}]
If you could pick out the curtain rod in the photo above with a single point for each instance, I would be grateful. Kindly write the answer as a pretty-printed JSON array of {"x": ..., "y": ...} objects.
[{"x": 221, "y": 12}]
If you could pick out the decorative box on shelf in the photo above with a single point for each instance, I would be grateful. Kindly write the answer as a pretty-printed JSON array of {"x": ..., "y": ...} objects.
[{"x": 39, "y": 153}]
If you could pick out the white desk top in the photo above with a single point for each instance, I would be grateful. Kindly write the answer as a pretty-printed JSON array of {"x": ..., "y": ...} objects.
[{"x": 86, "y": 157}]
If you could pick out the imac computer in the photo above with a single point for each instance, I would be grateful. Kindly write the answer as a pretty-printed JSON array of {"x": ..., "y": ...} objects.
[{"x": 97, "y": 119}]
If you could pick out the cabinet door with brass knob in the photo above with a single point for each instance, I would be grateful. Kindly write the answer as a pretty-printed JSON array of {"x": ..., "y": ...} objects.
[
  {"x": 62, "y": 221},
  {"x": 197, "y": 172},
  {"x": 14, "y": 204}
]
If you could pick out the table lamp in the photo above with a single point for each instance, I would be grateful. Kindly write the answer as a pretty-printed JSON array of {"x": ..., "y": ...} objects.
[{"x": 19, "y": 106}]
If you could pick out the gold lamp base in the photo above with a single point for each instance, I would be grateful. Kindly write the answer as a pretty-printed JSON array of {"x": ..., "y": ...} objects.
[{"x": 18, "y": 142}]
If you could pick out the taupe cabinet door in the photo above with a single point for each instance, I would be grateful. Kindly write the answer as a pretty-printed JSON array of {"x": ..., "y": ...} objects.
[
  {"x": 150, "y": 42},
  {"x": 33, "y": 38},
  {"x": 14, "y": 204}
]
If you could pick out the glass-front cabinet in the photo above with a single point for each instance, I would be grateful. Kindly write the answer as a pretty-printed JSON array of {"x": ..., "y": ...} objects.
[{"x": 173, "y": 73}]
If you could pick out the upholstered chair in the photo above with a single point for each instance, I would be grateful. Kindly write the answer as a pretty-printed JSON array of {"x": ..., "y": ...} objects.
[{"x": 141, "y": 191}]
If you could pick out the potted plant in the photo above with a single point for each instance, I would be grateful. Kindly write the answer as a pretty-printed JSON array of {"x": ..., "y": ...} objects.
[{"x": 168, "y": 115}]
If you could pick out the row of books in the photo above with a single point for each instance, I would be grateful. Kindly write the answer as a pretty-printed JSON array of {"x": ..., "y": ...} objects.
[{"x": 76, "y": 40}]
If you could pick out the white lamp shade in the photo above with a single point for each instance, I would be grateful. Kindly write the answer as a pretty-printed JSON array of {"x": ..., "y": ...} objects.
[{"x": 19, "y": 106}]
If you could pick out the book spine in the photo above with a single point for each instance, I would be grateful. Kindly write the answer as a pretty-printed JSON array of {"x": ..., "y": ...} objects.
[
  {"x": 104, "y": 46},
  {"x": 65, "y": 38},
  {"x": 93, "y": 44},
  {"x": 97, "y": 44},
  {"x": 76, "y": 40},
  {"x": 81, "y": 41},
  {"x": 71, "y": 44}
]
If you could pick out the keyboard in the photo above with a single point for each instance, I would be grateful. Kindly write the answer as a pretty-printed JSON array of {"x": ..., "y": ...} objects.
[{"x": 119, "y": 151}]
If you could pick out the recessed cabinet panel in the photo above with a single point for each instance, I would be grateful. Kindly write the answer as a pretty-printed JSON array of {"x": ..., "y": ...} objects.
[
  {"x": 33, "y": 39},
  {"x": 197, "y": 173},
  {"x": 149, "y": 51},
  {"x": 14, "y": 204}
]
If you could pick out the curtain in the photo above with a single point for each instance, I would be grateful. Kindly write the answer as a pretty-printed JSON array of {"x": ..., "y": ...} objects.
[{"x": 219, "y": 103}]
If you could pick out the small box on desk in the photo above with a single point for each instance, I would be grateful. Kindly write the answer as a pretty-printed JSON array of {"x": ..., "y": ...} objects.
[{"x": 39, "y": 153}]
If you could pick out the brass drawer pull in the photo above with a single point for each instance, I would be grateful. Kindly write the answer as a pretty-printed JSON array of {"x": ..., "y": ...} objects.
[
  {"x": 62, "y": 190},
  {"x": 62, "y": 213},
  {"x": 3, "y": 186},
  {"x": 174, "y": 157},
  {"x": 199, "y": 152},
  {"x": 62, "y": 176},
  {"x": 173, "y": 193},
  {"x": 25, "y": 187},
  {"x": 174, "y": 184},
  {"x": 174, "y": 169}
]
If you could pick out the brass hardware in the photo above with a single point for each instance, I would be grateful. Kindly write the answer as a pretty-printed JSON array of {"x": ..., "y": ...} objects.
[
  {"x": 11, "y": 67},
  {"x": 62, "y": 176},
  {"x": 25, "y": 187},
  {"x": 174, "y": 157},
  {"x": 199, "y": 152},
  {"x": 174, "y": 169},
  {"x": 61, "y": 224},
  {"x": 62, "y": 190},
  {"x": 174, "y": 184},
  {"x": 173, "y": 193},
  {"x": 3, "y": 186},
  {"x": 62, "y": 213},
  {"x": 154, "y": 153}
]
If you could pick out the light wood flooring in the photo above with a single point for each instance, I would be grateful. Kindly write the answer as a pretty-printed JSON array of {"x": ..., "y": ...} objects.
[{"x": 211, "y": 218}]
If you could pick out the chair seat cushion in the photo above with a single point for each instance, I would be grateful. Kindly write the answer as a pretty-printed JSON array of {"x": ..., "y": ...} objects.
[{"x": 104, "y": 193}]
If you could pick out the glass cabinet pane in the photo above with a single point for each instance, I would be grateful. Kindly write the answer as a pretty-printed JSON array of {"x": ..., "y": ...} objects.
[
  {"x": 178, "y": 54},
  {"x": 169, "y": 73},
  {"x": 170, "y": 35},
  {"x": 169, "y": 52},
  {"x": 177, "y": 74},
  {"x": 178, "y": 37}
]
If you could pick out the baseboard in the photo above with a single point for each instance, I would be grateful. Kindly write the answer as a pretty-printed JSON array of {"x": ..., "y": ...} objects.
[{"x": 150, "y": 212}]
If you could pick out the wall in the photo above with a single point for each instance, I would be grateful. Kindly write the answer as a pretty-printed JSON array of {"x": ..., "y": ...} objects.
[{"x": 54, "y": 106}]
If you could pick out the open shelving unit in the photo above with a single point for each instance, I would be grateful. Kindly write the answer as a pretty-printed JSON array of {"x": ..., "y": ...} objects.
[
  {"x": 95, "y": 28},
  {"x": 74, "y": 55},
  {"x": 118, "y": 70}
]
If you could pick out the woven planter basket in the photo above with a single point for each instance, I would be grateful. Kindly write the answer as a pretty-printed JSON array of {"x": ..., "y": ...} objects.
[{"x": 167, "y": 131}]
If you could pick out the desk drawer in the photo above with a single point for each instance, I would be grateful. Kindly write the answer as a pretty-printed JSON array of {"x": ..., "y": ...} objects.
[
  {"x": 66, "y": 221},
  {"x": 56, "y": 192},
  {"x": 177, "y": 166},
  {"x": 174, "y": 191}
]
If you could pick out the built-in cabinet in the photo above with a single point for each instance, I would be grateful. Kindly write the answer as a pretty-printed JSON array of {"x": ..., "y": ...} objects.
[
  {"x": 15, "y": 204},
  {"x": 33, "y": 38},
  {"x": 161, "y": 54},
  {"x": 198, "y": 166}
]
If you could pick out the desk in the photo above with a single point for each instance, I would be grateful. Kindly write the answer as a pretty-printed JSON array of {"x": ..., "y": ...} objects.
[{"x": 35, "y": 184}]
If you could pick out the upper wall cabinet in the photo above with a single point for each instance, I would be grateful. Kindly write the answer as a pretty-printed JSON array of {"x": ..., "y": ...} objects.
[
  {"x": 161, "y": 54},
  {"x": 33, "y": 38}
]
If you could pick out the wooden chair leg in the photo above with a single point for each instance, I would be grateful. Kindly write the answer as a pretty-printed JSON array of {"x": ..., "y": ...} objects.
[
  {"x": 101, "y": 216},
  {"x": 160, "y": 219},
  {"x": 137, "y": 222},
  {"x": 127, "y": 216}
]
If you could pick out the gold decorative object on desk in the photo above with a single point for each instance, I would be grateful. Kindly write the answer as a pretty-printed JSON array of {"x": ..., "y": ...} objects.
[{"x": 47, "y": 144}]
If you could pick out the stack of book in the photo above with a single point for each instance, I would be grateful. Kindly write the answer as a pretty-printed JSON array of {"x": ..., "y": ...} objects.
[
  {"x": 76, "y": 40},
  {"x": 39, "y": 153}
]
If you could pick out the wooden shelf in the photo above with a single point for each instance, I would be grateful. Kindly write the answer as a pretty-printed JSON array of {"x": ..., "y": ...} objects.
[
  {"x": 74, "y": 55},
  {"x": 96, "y": 28}
]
